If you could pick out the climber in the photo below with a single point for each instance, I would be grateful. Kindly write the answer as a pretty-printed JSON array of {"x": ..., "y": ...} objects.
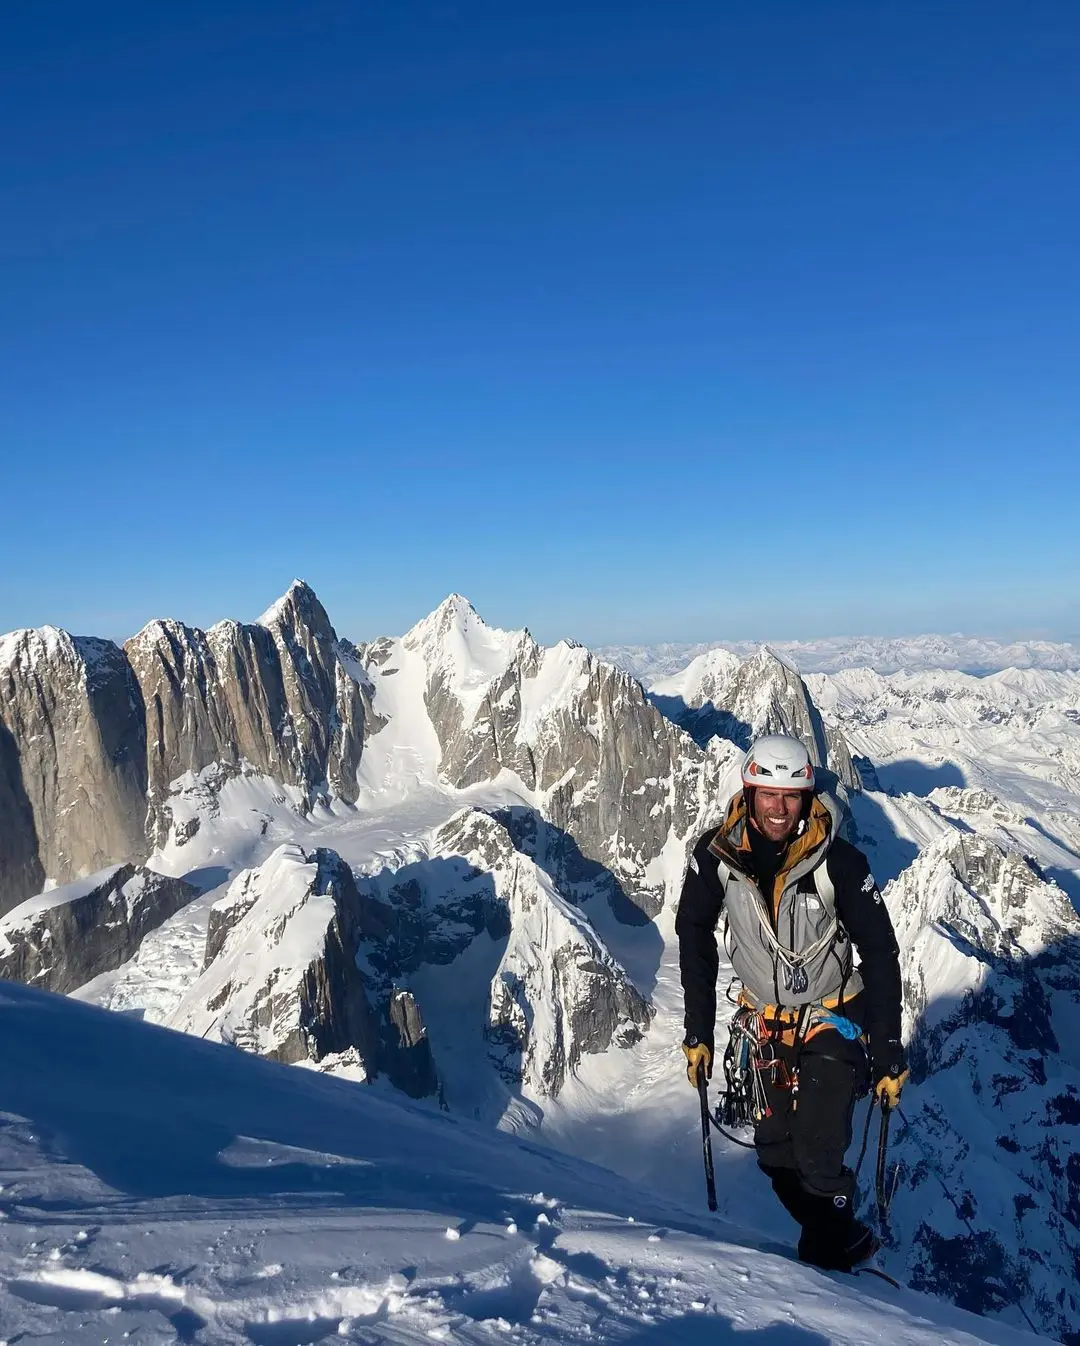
[{"x": 820, "y": 1023}]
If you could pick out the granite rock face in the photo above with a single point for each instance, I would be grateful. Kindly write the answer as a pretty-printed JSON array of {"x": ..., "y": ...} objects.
[
  {"x": 21, "y": 872},
  {"x": 93, "y": 737},
  {"x": 282, "y": 977},
  {"x": 64, "y": 938},
  {"x": 273, "y": 697},
  {"x": 72, "y": 760}
]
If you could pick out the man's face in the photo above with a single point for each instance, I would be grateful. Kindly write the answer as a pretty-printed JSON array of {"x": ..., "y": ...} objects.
[{"x": 776, "y": 812}]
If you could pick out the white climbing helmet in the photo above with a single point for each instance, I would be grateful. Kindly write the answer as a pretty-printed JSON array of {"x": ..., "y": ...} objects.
[{"x": 778, "y": 763}]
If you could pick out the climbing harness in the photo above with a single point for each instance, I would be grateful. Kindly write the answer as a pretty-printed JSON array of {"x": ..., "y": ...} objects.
[{"x": 751, "y": 1056}]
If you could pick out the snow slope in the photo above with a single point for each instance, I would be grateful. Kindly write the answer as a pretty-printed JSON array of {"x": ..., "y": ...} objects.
[{"x": 161, "y": 1189}]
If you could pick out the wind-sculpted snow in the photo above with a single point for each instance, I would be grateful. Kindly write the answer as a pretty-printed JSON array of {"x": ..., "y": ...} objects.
[
  {"x": 162, "y": 1189},
  {"x": 991, "y": 963}
]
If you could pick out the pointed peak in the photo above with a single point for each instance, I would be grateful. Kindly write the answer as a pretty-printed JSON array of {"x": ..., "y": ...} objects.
[
  {"x": 455, "y": 609},
  {"x": 455, "y": 616},
  {"x": 300, "y": 603},
  {"x": 765, "y": 657}
]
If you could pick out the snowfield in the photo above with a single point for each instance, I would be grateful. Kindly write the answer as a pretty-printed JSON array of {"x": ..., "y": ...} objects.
[{"x": 159, "y": 1189}]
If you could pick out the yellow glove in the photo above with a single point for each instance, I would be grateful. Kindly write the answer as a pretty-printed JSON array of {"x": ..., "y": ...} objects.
[
  {"x": 696, "y": 1056},
  {"x": 888, "y": 1089}
]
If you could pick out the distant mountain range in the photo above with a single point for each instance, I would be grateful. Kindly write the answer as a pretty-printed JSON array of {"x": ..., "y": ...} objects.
[{"x": 884, "y": 654}]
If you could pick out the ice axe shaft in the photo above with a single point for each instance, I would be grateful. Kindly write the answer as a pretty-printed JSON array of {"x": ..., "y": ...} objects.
[
  {"x": 881, "y": 1174},
  {"x": 706, "y": 1135}
]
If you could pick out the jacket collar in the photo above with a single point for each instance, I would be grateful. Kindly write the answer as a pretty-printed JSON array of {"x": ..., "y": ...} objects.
[{"x": 731, "y": 843}]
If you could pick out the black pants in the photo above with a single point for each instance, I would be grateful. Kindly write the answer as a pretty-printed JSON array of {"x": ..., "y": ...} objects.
[{"x": 802, "y": 1142}]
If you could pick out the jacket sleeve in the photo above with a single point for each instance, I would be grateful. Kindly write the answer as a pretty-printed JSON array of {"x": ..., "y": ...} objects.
[
  {"x": 699, "y": 959},
  {"x": 865, "y": 917}
]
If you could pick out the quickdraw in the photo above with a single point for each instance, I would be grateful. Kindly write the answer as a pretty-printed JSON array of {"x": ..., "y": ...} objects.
[{"x": 751, "y": 1057}]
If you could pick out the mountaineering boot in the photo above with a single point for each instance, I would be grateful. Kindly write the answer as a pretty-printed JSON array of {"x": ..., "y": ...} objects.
[
  {"x": 832, "y": 1253},
  {"x": 832, "y": 1238}
]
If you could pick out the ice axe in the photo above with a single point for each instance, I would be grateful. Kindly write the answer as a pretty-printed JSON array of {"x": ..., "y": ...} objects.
[{"x": 706, "y": 1134}]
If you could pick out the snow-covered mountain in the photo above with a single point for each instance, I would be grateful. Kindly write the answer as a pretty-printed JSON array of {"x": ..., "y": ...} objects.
[
  {"x": 64, "y": 937},
  {"x": 1011, "y": 740},
  {"x": 162, "y": 1189},
  {"x": 282, "y": 976},
  {"x": 95, "y": 740},
  {"x": 971, "y": 654},
  {"x": 991, "y": 963},
  {"x": 579, "y": 736},
  {"x": 448, "y": 863},
  {"x": 717, "y": 696}
]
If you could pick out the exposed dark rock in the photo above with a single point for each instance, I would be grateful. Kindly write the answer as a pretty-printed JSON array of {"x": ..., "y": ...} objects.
[{"x": 64, "y": 938}]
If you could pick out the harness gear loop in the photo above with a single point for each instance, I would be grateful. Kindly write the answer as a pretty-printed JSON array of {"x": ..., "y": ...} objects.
[{"x": 754, "y": 1036}]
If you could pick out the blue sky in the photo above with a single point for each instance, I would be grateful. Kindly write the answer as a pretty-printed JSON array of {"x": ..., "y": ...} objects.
[{"x": 631, "y": 321}]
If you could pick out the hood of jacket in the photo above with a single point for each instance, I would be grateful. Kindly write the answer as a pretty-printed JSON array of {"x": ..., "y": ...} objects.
[{"x": 811, "y": 841}]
